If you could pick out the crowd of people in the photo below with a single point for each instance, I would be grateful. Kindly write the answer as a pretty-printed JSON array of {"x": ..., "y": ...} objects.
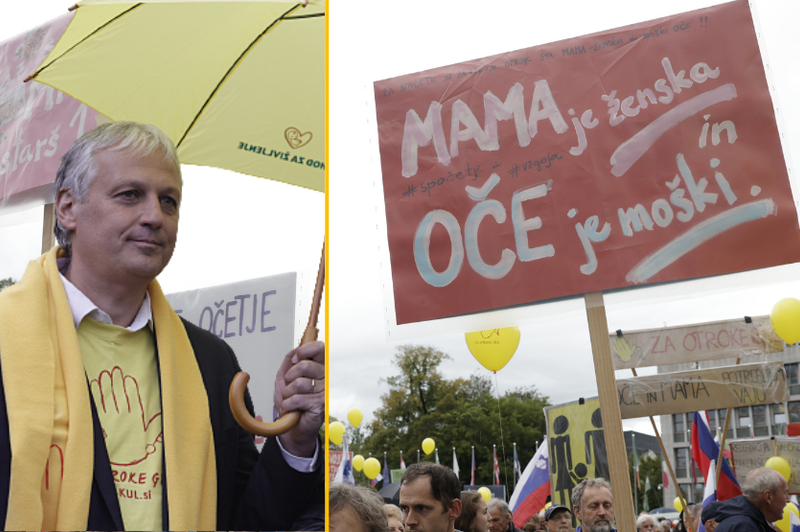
[{"x": 431, "y": 500}]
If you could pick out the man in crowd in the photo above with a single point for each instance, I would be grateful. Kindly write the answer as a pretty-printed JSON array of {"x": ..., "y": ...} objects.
[
  {"x": 500, "y": 517},
  {"x": 429, "y": 498},
  {"x": 764, "y": 494},
  {"x": 558, "y": 518},
  {"x": 356, "y": 509},
  {"x": 593, "y": 505},
  {"x": 708, "y": 514},
  {"x": 647, "y": 523},
  {"x": 691, "y": 517},
  {"x": 114, "y": 411}
]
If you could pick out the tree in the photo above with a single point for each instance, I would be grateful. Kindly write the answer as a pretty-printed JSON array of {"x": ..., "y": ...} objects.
[
  {"x": 5, "y": 283},
  {"x": 649, "y": 467},
  {"x": 458, "y": 413}
]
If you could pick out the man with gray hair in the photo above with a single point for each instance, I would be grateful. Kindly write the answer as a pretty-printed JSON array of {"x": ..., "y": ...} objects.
[
  {"x": 647, "y": 523},
  {"x": 765, "y": 493},
  {"x": 593, "y": 505},
  {"x": 105, "y": 391},
  {"x": 500, "y": 517}
]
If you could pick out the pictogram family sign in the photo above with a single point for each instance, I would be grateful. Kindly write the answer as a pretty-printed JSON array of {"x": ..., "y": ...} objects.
[{"x": 645, "y": 154}]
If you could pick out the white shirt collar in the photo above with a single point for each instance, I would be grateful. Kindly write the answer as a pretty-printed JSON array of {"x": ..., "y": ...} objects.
[{"x": 81, "y": 306}]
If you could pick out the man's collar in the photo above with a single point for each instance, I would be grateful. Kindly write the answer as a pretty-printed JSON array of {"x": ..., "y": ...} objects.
[{"x": 81, "y": 306}]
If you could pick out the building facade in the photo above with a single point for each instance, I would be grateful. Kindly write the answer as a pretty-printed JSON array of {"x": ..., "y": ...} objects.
[{"x": 745, "y": 422}]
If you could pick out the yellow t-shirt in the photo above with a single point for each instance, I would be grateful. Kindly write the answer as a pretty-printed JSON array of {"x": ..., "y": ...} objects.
[{"x": 123, "y": 374}]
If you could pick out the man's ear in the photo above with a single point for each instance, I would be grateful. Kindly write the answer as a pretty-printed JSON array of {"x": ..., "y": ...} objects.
[
  {"x": 577, "y": 512},
  {"x": 65, "y": 203},
  {"x": 455, "y": 509}
]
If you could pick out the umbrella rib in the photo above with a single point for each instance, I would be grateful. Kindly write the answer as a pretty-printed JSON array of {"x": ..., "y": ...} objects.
[
  {"x": 84, "y": 39},
  {"x": 221, "y": 81},
  {"x": 314, "y": 15}
]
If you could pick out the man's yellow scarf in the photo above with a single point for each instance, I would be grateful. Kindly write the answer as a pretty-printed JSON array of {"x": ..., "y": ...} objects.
[{"x": 39, "y": 345}]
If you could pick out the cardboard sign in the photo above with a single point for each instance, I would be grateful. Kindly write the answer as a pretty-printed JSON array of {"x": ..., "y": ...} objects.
[
  {"x": 577, "y": 446},
  {"x": 37, "y": 123},
  {"x": 335, "y": 459},
  {"x": 703, "y": 389},
  {"x": 256, "y": 318},
  {"x": 397, "y": 474},
  {"x": 705, "y": 341},
  {"x": 644, "y": 154},
  {"x": 753, "y": 453}
]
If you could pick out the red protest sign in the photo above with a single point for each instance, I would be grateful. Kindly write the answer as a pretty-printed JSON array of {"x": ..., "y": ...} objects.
[
  {"x": 37, "y": 123},
  {"x": 645, "y": 154}
]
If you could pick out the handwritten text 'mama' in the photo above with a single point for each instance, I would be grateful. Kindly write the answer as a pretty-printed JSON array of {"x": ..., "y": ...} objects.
[{"x": 420, "y": 133}]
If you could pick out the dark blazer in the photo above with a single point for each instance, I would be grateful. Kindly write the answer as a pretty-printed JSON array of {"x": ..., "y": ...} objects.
[{"x": 254, "y": 492}]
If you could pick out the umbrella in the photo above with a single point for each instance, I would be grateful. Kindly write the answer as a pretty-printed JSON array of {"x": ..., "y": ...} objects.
[
  {"x": 235, "y": 84},
  {"x": 391, "y": 493}
]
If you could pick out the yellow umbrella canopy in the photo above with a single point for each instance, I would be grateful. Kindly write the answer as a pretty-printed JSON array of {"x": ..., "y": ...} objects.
[{"x": 235, "y": 84}]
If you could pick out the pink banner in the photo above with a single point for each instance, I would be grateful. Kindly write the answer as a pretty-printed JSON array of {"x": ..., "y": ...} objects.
[
  {"x": 37, "y": 123},
  {"x": 643, "y": 154}
]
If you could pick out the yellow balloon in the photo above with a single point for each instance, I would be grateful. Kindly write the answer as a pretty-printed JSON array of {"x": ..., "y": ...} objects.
[
  {"x": 428, "y": 445},
  {"x": 358, "y": 462},
  {"x": 485, "y": 493},
  {"x": 372, "y": 467},
  {"x": 335, "y": 432},
  {"x": 548, "y": 505},
  {"x": 781, "y": 466},
  {"x": 785, "y": 319},
  {"x": 355, "y": 416},
  {"x": 677, "y": 504},
  {"x": 493, "y": 348}
]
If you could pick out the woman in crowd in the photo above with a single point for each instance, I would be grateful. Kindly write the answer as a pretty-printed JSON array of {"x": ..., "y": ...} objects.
[
  {"x": 356, "y": 509},
  {"x": 395, "y": 518},
  {"x": 474, "y": 513}
]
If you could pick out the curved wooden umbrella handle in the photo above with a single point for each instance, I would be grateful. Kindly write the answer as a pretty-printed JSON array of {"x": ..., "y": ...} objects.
[{"x": 240, "y": 380}]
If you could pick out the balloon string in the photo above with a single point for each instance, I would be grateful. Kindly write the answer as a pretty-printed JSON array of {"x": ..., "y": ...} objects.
[{"x": 502, "y": 441}]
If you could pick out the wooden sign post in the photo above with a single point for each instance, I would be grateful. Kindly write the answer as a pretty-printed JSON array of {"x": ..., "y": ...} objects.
[
  {"x": 48, "y": 237},
  {"x": 609, "y": 406}
]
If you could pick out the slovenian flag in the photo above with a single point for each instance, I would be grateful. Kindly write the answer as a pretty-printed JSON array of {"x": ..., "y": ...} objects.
[
  {"x": 533, "y": 487},
  {"x": 704, "y": 450}
]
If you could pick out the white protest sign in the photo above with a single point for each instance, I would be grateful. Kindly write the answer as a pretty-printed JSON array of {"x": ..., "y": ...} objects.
[
  {"x": 256, "y": 318},
  {"x": 692, "y": 343},
  {"x": 753, "y": 453}
]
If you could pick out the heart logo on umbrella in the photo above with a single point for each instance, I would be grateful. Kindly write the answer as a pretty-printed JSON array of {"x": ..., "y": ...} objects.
[{"x": 297, "y": 139}]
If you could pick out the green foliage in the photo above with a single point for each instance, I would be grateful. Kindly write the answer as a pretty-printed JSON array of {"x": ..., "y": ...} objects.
[
  {"x": 648, "y": 467},
  {"x": 458, "y": 413},
  {"x": 5, "y": 283}
]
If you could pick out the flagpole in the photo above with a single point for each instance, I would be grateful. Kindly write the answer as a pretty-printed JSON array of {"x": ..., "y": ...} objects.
[
  {"x": 636, "y": 474},
  {"x": 725, "y": 435},
  {"x": 472, "y": 474},
  {"x": 514, "y": 472},
  {"x": 417, "y": 455}
]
